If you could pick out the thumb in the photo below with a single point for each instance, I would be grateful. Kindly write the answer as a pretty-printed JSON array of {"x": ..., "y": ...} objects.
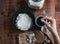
[{"x": 47, "y": 24}]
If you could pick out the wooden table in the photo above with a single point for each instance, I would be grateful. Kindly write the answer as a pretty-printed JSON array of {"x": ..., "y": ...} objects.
[{"x": 8, "y": 33}]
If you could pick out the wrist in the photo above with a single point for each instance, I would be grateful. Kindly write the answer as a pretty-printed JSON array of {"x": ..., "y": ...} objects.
[{"x": 55, "y": 33}]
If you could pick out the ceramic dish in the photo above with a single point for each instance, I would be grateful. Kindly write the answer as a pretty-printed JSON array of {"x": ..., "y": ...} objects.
[
  {"x": 23, "y": 20},
  {"x": 35, "y": 4}
]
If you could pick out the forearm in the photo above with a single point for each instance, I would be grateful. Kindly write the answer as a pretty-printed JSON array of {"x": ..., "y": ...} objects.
[{"x": 56, "y": 37}]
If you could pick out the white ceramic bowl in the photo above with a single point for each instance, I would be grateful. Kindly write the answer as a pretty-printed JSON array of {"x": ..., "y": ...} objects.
[{"x": 36, "y": 4}]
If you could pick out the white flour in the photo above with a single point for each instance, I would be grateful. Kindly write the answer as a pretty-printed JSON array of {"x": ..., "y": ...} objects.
[
  {"x": 37, "y": 4},
  {"x": 23, "y": 22}
]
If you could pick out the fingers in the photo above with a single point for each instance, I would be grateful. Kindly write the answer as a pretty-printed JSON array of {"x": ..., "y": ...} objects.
[
  {"x": 48, "y": 18},
  {"x": 49, "y": 21},
  {"x": 47, "y": 24}
]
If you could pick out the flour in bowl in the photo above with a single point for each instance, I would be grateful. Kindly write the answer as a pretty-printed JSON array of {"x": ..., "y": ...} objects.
[
  {"x": 23, "y": 21},
  {"x": 38, "y": 3}
]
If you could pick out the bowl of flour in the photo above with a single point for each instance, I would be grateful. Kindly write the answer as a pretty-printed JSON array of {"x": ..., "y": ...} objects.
[
  {"x": 23, "y": 20},
  {"x": 35, "y": 4}
]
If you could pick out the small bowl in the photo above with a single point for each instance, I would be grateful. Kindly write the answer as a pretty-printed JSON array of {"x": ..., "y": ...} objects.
[
  {"x": 38, "y": 21},
  {"x": 35, "y": 4},
  {"x": 28, "y": 13}
]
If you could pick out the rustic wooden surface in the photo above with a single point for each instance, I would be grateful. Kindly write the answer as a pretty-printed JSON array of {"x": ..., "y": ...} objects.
[
  {"x": 57, "y": 3},
  {"x": 8, "y": 33},
  {"x": 57, "y": 7}
]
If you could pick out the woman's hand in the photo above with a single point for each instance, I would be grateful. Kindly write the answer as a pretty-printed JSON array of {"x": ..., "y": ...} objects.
[{"x": 50, "y": 22}]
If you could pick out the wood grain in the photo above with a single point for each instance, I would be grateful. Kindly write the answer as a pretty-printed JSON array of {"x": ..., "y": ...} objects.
[
  {"x": 8, "y": 32},
  {"x": 57, "y": 5}
]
